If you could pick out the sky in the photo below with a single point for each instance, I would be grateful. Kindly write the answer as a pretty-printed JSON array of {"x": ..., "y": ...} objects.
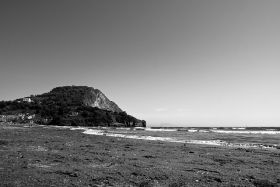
[{"x": 172, "y": 63}]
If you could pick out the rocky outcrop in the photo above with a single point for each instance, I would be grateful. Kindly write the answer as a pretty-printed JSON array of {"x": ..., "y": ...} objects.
[
  {"x": 86, "y": 96},
  {"x": 95, "y": 98}
]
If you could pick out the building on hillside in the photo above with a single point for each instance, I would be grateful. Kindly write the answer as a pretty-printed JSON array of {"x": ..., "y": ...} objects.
[{"x": 27, "y": 99}]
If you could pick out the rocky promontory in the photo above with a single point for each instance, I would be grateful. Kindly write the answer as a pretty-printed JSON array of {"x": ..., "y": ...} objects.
[{"x": 68, "y": 105}]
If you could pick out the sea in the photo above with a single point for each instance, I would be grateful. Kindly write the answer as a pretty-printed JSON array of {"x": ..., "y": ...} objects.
[{"x": 249, "y": 137}]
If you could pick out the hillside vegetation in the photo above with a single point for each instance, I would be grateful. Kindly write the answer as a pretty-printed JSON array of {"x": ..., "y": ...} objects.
[{"x": 69, "y": 105}]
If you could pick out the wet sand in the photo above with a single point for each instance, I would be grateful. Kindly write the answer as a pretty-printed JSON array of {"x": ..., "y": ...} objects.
[{"x": 39, "y": 156}]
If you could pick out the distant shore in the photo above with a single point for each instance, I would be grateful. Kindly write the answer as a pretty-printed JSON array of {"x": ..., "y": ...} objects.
[{"x": 32, "y": 155}]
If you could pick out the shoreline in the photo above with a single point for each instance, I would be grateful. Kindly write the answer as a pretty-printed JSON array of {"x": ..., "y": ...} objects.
[
  {"x": 174, "y": 140},
  {"x": 102, "y": 131},
  {"x": 39, "y": 156},
  {"x": 105, "y": 131}
]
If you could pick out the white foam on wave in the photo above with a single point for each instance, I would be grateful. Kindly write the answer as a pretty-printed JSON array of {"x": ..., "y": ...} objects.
[
  {"x": 204, "y": 131},
  {"x": 93, "y": 132},
  {"x": 208, "y": 142},
  {"x": 239, "y": 128},
  {"x": 57, "y": 126},
  {"x": 192, "y": 130},
  {"x": 79, "y": 128},
  {"x": 167, "y": 130},
  {"x": 123, "y": 128},
  {"x": 174, "y": 140},
  {"x": 100, "y": 132},
  {"x": 245, "y": 132},
  {"x": 104, "y": 132}
]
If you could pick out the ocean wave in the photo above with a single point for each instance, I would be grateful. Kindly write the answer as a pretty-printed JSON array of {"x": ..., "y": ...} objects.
[
  {"x": 192, "y": 130},
  {"x": 100, "y": 132},
  {"x": 174, "y": 140},
  {"x": 123, "y": 128},
  {"x": 167, "y": 130},
  {"x": 56, "y": 126},
  {"x": 246, "y": 132},
  {"x": 239, "y": 128},
  {"x": 79, "y": 128}
]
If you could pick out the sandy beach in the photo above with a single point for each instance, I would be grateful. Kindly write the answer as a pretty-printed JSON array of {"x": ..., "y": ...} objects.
[{"x": 39, "y": 156}]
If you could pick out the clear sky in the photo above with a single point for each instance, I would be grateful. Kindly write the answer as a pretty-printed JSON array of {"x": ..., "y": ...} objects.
[{"x": 191, "y": 62}]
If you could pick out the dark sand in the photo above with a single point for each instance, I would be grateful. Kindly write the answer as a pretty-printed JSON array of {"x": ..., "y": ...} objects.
[{"x": 40, "y": 156}]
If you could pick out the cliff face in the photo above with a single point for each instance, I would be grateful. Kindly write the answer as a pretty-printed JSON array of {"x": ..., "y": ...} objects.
[
  {"x": 86, "y": 96},
  {"x": 95, "y": 98}
]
